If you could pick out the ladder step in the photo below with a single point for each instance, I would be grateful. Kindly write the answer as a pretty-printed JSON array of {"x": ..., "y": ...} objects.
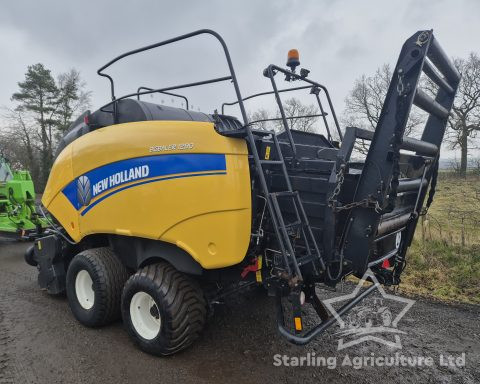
[
  {"x": 283, "y": 231},
  {"x": 425, "y": 102},
  {"x": 305, "y": 260},
  {"x": 284, "y": 194},
  {"x": 262, "y": 132},
  {"x": 294, "y": 224},
  {"x": 272, "y": 162}
]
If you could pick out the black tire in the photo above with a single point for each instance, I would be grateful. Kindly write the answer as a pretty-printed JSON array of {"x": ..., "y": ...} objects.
[
  {"x": 179, "y": 301},
  {"x": 30, "y": 256},
  {"x": 108, "y": 276}
]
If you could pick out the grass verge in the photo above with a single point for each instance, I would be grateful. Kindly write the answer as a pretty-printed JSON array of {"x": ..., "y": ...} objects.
[
  {"x": 444, "y": 258},
  {"x": 447, "y": 272}
]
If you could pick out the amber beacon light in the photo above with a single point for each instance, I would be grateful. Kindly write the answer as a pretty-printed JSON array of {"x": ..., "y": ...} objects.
[{"x": 293, "y": 59}]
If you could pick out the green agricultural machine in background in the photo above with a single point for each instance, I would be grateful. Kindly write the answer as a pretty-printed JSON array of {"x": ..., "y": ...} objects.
[{"x": 18, "y": 215}]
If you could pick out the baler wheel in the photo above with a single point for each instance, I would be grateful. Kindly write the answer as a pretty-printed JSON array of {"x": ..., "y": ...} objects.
[
  {"x": 95, "y": 280},
  {"x": 163, "y": 310}
]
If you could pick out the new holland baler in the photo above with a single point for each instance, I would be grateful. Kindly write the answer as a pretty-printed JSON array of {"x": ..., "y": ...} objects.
[{"x": 160, "y": 212}]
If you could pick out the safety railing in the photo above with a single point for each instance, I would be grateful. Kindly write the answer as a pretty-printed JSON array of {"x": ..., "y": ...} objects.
[
  {"x": 231, "y": 77},
  {"x": 185, "y": 98}
]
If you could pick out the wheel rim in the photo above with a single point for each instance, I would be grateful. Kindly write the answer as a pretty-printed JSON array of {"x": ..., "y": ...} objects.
[
  {"x": 84, "y": 289},
  {"x": 145, "y": 315}
]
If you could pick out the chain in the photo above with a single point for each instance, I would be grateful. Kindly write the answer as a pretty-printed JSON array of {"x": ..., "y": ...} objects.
[
  {"x": 333, "y": 202},
  {"x": 368, "y": 202},
  {"x": 338, "y": 187}
]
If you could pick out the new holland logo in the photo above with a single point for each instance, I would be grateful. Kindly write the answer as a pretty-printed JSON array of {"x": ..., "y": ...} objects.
[{"x": 84, "y": 194}]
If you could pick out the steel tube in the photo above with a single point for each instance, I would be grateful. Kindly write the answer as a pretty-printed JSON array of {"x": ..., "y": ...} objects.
[
  {"x": 419, "y": 146},
  {"x": 391, "y": 225},
  {"x": 440, "y": 59},
  {"x": 425, "y": 102},
  {"x": 436, "y": 77},
  {"x": 410, "y": 184},
  {"x": 323, "y": 326}
]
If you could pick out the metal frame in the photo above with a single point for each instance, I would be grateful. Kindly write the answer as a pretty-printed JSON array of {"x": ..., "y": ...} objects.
[
  {"x": 163, "y": 93},
  {"x": 324, "y": 325},
  {"x": 314, "y": 90},
  {"x": 288, "y": 118},
  {"x": 231, "y": 77},
  {"x": 379, "y": 180},
  {"x": 263, "y": 94},
  {"x": 271, "y": 71}
]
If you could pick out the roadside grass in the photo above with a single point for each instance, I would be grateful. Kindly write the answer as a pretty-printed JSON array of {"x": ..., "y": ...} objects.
[
  {"x": 446, "y": 272},
  {"x": 444, "y": 259}
]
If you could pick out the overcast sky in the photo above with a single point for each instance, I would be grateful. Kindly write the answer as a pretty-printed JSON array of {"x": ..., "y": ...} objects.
[{"x": 338, "y": 40}]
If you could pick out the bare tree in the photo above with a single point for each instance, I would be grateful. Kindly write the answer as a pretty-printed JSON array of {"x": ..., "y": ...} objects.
[
  {"x": 18, "y": 140},
  {"x": 258, "y": 118},
  {"x": 364, "y": 103},
  {"x": 292, "y": 108},
  {"x": 295, "y": 108},
  {"x": 465, "y": 122}
]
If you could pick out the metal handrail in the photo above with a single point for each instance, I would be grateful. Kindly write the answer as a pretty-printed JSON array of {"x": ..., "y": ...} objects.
[
  {"x": 170, "y": 41},
  {"x": 164, "y": 93},
  {"x": 263, "y": 94},
  {"x": 288, "y": 118},
  {"x": 181, "y": 86},
  {"x": 271, "y": 71}
]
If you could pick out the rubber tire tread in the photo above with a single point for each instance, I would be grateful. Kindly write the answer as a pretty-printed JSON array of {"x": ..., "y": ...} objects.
[
  {"x": 109, "y": 276},
  {"x": 181, "y": 304}
]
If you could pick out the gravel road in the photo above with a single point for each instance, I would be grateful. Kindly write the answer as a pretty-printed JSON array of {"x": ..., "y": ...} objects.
[{"x": 40, "y": 342}]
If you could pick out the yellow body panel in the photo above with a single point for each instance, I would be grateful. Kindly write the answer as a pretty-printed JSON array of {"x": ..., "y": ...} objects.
[{"x": 194, "y": 190}]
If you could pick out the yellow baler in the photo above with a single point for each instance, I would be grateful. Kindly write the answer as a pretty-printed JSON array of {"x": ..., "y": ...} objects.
[{"x": 160, "y": 212}]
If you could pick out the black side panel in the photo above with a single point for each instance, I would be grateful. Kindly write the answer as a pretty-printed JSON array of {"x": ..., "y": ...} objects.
[
  {"x": 77, "y": 128},
  {"x": 310, "y": 175},
  {"x": 51, "y": 264},
  {"x": 306, "y": 138},
  {"x": 136, "y": 252},
  {"x": 130, "y": 110}
]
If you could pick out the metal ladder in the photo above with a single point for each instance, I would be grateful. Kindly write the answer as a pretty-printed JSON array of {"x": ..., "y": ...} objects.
[{"x": 282, "y": 230}]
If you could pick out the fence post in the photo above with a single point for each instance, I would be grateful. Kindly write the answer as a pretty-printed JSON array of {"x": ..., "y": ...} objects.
[{"x": 423, "y": 229}]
